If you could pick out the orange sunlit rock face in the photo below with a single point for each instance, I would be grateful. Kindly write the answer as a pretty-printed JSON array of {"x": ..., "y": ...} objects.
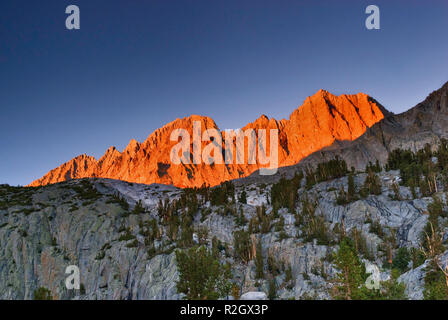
[{"x": 322, "y": 119}]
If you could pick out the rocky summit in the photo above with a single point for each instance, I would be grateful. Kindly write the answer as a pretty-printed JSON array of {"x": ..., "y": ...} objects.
[{"x": 318, "y": 123}]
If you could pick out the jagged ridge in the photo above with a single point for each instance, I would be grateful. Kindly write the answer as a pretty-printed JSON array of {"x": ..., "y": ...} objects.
[{"x": 319, "y": 122}]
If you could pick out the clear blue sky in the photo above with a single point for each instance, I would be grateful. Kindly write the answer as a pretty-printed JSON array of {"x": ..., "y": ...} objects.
[{"x": 136, "y": 65}]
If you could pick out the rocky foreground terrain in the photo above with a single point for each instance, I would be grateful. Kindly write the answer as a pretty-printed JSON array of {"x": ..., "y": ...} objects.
[{"x": 114, "y": 232}]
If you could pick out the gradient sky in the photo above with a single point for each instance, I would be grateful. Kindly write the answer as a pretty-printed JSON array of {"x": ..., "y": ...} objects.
[{"x": 137, "y": 64}]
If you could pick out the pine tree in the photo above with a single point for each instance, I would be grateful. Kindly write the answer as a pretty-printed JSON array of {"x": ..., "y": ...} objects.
[
  {"x": 432, "y": 235},
  {"x": 202, "y": 233},
  {"x": 42, "y": 293},
  {"x": 378, "y": 168},
  {"x": 138, "y": 208},
  {"x": 436, "y": 283},
  {"x": 235, "y": 291},
  {"x": 259, "y": 265},
  {"x": 401, "y": 260},
  {"x": 372, "y": 184},
  {"x": 351, "y": 187},
  {"x": 241, "y": 219},
  {"x": 186, "y": 237},
  {"x": 201, "y": 276},
  {"x": 352, "y": 273},
  {"x": 396, "y": 189},
  {"x": 341, "y": 198},
  {"x": 243, "y": 197},
  {"x": 392, "y": 289},
  {"x": 242, "y": 245},
  {"x": 272, "y": 291}
]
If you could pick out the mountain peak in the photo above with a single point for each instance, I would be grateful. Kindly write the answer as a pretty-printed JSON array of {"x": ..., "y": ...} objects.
[
  {"x": 321, "y": 92},
  {"x": 186, "y": 121},
  {"x": 322, "y": 119},
  {"x": 132, "y": 147}
]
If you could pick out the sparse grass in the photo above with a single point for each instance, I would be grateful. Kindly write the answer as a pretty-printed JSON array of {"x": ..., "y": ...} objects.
[
  {"x": 375, "y": 228},
  {"x": 27, "y": 211},
  {"x": 132, "y": 244},
  {"x": 117, "y": 199},
  {"x": 100, "y": 255},
  {"x": 126, "y": 236},
  {"x": 106, "y": 246},
  {"x": 87, "y": 192},
  {"x": 282, "y": 235}
]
